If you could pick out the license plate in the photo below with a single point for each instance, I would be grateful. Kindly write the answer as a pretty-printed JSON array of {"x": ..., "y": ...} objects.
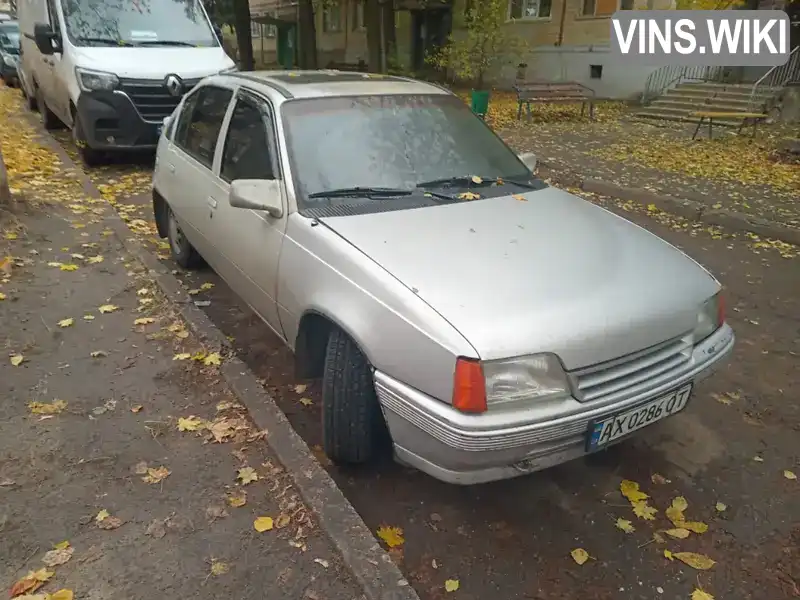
[{"x": 602, "y": 433}]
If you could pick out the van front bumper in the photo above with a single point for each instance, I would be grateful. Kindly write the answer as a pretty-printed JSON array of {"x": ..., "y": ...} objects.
[
  {"x": 469, "y": 449},
  {"x": 110, "y": 121}
]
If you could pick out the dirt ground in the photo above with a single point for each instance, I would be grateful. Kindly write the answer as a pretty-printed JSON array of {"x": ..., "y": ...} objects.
[{"x": 731, "y": 454}]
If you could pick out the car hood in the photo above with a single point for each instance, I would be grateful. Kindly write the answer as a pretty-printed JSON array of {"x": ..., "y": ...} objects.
[
  {"x": 552, "y": 273},
  {"x": 153, "y": 62}
]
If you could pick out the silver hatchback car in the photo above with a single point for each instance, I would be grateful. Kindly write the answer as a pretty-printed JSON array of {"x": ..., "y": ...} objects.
[{"x": 487, "y": 324}]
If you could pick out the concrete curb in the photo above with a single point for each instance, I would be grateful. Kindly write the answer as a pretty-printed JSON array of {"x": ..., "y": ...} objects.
[
  {"x": 689, "y": 209},
  {"x": 371, "y": 566}
]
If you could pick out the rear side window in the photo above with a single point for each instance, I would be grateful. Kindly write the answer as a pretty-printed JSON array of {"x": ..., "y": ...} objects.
[{"x": 200, "y": 122}]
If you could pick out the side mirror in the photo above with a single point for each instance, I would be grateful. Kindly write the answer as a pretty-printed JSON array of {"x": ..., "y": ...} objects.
[
  {"x": 257, "y": 194},
  {"x": 46, "y": 40},
  {"x": 529, "y": 160}
]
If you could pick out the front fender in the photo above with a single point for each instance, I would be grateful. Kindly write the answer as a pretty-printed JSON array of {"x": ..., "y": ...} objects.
[{"x": 399, "y": 333}]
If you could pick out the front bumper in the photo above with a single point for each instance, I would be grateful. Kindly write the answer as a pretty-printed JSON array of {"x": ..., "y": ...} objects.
[
  {"x": 111, "y": 122},
  {"x": 468, "y": 449}
]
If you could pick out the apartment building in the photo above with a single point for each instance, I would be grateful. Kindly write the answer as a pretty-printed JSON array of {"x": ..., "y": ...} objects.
[{"x": 567, "y": 39}]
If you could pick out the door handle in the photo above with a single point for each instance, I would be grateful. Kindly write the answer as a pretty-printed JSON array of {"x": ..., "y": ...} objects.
[{"x": 212, "y": 202}]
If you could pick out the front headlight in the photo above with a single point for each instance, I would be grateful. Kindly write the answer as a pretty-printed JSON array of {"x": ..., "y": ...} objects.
[
  {"x": 96, "y": 81},
  {"x": 526, "y": 378},
  {"x": 709, "y": 318}
]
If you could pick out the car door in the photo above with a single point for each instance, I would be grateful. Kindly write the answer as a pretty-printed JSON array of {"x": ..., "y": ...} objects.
[
  {"x": 250, "y": 240},
  {"x": 46, "y": 75},
  {"x": 193, "y": 184}
]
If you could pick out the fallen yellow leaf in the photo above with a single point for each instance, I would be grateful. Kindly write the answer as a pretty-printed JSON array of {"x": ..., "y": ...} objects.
[
  {"x": 679, "y": 533},
  {"x": 468, "y": 196},
  {"x": 144, "y": 321},
  {"x": 699, "y": 594},
  {"x": 62, "y": 594},
  {"x": 300, "y": 388},
  {"x": 93, "y": 260},
  {"x": 282, "y": 521},
  {"x": 136, "y": 408},
  {"x": 142, "y": 291},
  {"x": 451, "y": 585},
  {"x": 247, "y": 475},
  {"x": 2, "y": 296},
  {"x": 47, "y": 408},
  {"x": 720, "y": 507},
  {"x": 194, "y": 292},
  {"x": 88, "y": 317},
  {"x": 306, "y": 401},
  {"x": 108, "y": 308},
  {"x": 579, "y": 555},
  {"x": 190, "y": 423},
  {"x": 182, "y": 356},
  {"x": 790, "y": 475},
  {"x": 392, "y": 536},
  {"x": 476, "y": 179},
  {"x": 219, "y": 568},
  {"x": 31, "y": 582},
  {"x": 213, "y": 359},
  {"x": 630, "y": 489},
  {"x": 694, "y": 560},
  {"x": 58, "y": 556},
  {"x": 206, "y": 286},
  {"x": 238, "y": 500},
  {"x": 156, "y": 475},
  {"x": 644, "y": 511},
  {"x": 625, "y": 525},
  {"x": 102, "y": 515},
  {"x": 519, "y": 197},
  {"x": 262, "y": 524},
  {"x": 61, "y": 545},
  {"x": 68, "y": 267},
  {"x": 16, "y": 360},
  {"x": 66, "y": 322},
  {"x": 675, "y": 511}
]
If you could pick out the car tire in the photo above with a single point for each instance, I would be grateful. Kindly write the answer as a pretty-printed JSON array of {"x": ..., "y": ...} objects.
[
  {"x": 352, "y": 423},
  {"x": 49, "y": 119},
  {"x": 182, "y": 251},
  {"x": 30, "y": 99},
  {"x": 90, "y": 156}
]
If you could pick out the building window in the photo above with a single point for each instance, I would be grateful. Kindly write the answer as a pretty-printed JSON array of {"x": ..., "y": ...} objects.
[
  {"x": 529, "y": 9},
  {"x": 605, "y": 8},
  {"x": 332, "y": 18},
  {"x": 357, "y": 14}
]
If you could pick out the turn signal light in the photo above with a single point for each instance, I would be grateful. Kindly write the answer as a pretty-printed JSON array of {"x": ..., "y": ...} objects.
[
  {"x": 720, "y": 310},
  {"x": 469, "y": 386}
]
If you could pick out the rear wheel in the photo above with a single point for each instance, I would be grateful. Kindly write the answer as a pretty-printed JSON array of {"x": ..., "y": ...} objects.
[
  {"x": 49, "y": 118},
  {"x": 30, "y": 99},
  {"x": 352, "y": 424},
  {"x": 182, "y": 251}
]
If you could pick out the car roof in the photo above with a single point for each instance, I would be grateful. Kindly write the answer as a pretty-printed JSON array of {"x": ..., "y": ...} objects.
[{"x": 317, "y": 84}]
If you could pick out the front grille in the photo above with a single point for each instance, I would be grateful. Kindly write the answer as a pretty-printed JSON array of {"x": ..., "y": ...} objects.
[
  {"x": 151, "y": 98},
  {"x": 655, "y": 364}
]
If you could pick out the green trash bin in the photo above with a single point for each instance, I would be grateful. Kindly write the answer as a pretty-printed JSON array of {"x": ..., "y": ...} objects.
[{"x": 480, "y": 102}]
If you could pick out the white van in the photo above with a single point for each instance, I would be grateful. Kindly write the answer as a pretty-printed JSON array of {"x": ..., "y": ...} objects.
[{"x": 112, "y": 71}]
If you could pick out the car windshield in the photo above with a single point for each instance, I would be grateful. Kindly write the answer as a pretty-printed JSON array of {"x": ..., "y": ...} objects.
[
  {"x": 394, "y": 142},
  {"x": 9, "y": 37},
  {"x": 134, "y": 22}
]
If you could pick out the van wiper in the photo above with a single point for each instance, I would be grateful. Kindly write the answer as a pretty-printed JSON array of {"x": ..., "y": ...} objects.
[
  {"x": 107, "y": 41},
  {"x": 473, "y": 180},
  {"x": 166, "y": 43},
  {"x": 366, "y": 192}
]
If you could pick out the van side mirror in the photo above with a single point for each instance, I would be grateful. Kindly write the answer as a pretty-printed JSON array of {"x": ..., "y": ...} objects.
[
  {"x": 46, "y": 39},
  {"x": 529, "y": 160},
  {"x": 257, "y": 194}
]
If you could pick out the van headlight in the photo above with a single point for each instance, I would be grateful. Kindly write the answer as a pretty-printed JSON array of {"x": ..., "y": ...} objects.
[
  {"x": 96, "y": 81},
  {"x": 710, "y": 317},
  {"x": 525, "y": 378}
]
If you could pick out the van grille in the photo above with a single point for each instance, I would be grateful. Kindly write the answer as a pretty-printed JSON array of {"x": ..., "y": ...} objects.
[
  {"x": 151, "y": 98},
  {"x": 647, "y": 368}
]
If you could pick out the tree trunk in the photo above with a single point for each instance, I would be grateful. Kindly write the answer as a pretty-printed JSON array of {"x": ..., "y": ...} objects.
[
  {"x": 372, "y": 22},
  {"x": 389, "y": 34},
  {"x": 307, "y": 35},
  {"x": 244, "y": 39},
  {"x": 5, "y": 194}
]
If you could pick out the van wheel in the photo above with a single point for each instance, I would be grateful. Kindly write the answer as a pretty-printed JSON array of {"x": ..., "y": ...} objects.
[
  {"x": 90, "y": 156},
  {"x": 352, "y": 423},
  {"x": 49, "y": 119},
  {"x": 30, "y": 99},
  {"x": 182, "y": 251}
]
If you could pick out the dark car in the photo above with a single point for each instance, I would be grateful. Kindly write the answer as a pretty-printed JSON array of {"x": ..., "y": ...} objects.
[{"x": 9, "y": 52}]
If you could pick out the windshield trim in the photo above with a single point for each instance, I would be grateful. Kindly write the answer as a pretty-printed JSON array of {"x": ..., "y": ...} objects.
[
  {"x": 300, "y": 198},
  {"x": 76, "y": 40}
]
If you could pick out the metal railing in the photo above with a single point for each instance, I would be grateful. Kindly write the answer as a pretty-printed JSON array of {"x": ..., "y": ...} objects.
[
  {"x": 664, "y": 78},
  {"x": 776, "y": 77}
]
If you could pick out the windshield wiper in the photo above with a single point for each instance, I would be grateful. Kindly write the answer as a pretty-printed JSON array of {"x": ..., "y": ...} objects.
[
  {"x": 471, "y": 180},
  {"x": 166, "y": 43},
  {"x": 366, "y": 192},
  {"x": 108, "y": 41}
]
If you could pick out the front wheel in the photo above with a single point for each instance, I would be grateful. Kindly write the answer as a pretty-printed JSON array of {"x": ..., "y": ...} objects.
[
  {"x": 352, "y": 423},
  {"x": 182, "y": 251},
  {"x": 90, "y": 156},
  {"x": 49, "y": 119}
]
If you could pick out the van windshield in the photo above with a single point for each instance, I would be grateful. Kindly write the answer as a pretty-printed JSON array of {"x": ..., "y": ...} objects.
[{"x": 137, "y": 23}]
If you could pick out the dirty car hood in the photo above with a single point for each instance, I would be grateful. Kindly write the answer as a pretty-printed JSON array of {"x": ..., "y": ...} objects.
[{"x": 553, "y": 273}]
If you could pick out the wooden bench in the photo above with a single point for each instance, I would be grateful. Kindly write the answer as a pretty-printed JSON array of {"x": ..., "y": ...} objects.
[
  {"x": 559, "y": 92},
  {"x": 359, "y": 67},
  {"x": 747, "y": 118}
]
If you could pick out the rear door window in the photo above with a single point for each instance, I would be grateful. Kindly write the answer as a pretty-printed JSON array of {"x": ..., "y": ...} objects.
[{"x": 200, "y": 123}]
